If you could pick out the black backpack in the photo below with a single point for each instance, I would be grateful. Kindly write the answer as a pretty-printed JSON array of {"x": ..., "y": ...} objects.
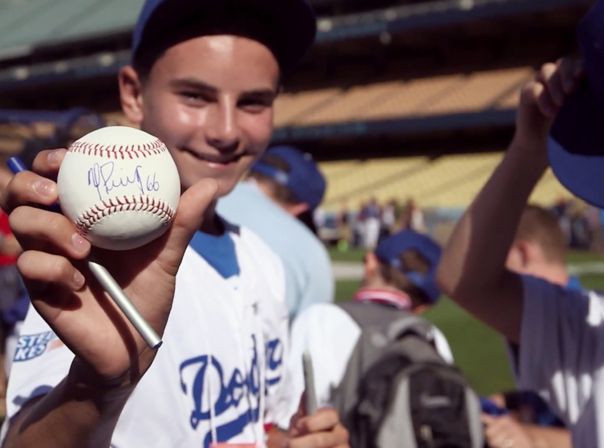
[{"x": 398, "y": 392}]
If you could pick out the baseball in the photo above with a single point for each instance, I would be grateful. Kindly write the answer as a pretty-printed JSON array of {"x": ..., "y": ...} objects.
[{"x": 120, "y": 186}]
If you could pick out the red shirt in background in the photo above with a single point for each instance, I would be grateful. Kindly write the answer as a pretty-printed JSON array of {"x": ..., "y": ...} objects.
[{"x": 5, "y": 260}]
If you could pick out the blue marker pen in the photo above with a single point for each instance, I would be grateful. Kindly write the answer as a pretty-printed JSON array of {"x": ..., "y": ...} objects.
[
  {"x": 112, "y": 288},
  {"x": 16, "y": 165}
]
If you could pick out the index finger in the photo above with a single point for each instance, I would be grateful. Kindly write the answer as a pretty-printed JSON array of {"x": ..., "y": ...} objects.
[
  {"x": 28, "y": 188},
  {"x": 48, "y": 162},
  {"x": 31, "y": 186}
]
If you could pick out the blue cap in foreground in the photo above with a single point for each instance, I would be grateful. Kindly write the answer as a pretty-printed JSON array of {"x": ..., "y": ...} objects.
[{"x": 576, "y": 141}]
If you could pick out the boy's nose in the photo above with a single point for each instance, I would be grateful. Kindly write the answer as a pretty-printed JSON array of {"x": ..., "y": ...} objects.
[{"x": 222, "y": 129}]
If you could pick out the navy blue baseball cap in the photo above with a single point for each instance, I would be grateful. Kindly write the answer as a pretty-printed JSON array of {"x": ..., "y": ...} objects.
[
  {"x": 303, "y": 179},
  {"x": 576, "y": 141},
  {"x": 286, "y": 27},
  {"x": 390, "y": 250}
]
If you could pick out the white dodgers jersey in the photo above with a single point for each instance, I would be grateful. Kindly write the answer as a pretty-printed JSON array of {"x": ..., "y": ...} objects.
[{"x": 217, "y": 376}]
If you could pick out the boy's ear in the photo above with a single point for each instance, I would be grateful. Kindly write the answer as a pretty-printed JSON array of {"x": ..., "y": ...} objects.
[
  {"x": 515, "y": 260},
  {"x": 421, "y": 309},
  {"x": 526, "y": 252},
  {"x": 296, "y": 209},
  {"x": 131, "y": 94},
  {"x": 372, "y": 264}
]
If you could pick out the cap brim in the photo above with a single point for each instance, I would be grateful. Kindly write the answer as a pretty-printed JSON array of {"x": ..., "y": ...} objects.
[{"x": 576, "y": 146}]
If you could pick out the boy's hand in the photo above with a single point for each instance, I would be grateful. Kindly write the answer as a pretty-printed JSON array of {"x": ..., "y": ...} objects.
[
  {"x": 66, "y": 294},
  {"x": 540, "y": 101},
  {"x": 323, "y": 429},
  {"x": 505, "y": 432}
]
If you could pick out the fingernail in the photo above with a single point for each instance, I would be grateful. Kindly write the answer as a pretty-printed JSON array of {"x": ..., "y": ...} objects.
[
  {"x": 45, "y": 187},
  {"x": 53, "y": 157},
  {"x": 80, "y": 243},
  {"x": 78, "y": 280}
]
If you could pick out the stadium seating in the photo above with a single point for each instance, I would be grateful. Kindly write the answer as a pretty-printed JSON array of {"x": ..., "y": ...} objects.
[
  {"x": 445, "y": 182},
  {"x": 439, "y": 95}
]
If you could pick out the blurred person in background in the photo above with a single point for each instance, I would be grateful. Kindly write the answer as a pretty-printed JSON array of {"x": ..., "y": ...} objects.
[
  {"x": 390, "y": 218},
  {"x": 412, "y": 217},
  {"x": 358, "y": 226},
  {"x": 372, "y": 215},
  {"x": 559, "y": 330},
  {"x": 539, "y": 249},
  {"x": 345, "y": 221},
  {"x": 283, "y": 186},
  {"x": 398, "y": 275},
  {"x": 592, "y": 215}
]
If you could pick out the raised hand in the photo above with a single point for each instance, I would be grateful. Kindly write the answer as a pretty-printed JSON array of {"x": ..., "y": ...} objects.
[{"x": 541, "y": 99}]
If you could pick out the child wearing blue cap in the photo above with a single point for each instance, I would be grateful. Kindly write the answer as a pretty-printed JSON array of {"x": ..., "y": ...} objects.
[
  {"x": 559, "y": 329},
  {"x": 398, "y": 275},
  {"x": 203, "y": 79}
]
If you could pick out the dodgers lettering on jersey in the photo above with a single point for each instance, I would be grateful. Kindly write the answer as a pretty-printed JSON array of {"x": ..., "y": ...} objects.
[
  {"x": 209, "y": 359},
  {"x": 274, "y": 360},
  {"x": 31, "y": 346},
  {"x": 235, "y": 390}
]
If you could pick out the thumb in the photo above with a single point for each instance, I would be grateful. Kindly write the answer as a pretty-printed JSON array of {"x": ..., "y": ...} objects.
[{"x": 188, "y": 219}]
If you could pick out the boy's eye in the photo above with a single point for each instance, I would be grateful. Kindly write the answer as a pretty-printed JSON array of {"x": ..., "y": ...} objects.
[
  {"x": 195, "y": 97},
  {"x": 255, "y": 105}
]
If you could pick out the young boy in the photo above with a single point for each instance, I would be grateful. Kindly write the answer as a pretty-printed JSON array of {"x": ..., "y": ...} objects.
[
  {"x": 203, "y": 80},
  {"x": 539, "y": 249},
  {"x": 559, "y": 329}
]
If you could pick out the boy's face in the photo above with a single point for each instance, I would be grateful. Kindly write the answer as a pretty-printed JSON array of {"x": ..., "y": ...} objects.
[{"x": 210, "y": 100}]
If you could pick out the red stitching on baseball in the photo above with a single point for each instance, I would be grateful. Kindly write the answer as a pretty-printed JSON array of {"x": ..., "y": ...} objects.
[
  {"x": 112, "y": 152},
  {"x": 126, "y": 203}
]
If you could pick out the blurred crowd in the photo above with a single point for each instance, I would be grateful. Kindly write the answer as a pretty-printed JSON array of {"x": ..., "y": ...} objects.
[
  {"x": 582, "y": 224},
  {"x": 365, "y": 226}
]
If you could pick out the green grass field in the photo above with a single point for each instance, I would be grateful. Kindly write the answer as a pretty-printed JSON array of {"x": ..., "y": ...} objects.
[{"x": 478, "y": 350}]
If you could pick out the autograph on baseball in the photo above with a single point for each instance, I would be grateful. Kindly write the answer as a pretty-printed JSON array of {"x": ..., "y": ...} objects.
[
  {"x": 101, "y": 177},
  {"x": 120, "y": 186}
]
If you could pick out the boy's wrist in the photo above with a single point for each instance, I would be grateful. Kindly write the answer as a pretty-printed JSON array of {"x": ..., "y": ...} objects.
[{"x": 85, "y": 384}]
